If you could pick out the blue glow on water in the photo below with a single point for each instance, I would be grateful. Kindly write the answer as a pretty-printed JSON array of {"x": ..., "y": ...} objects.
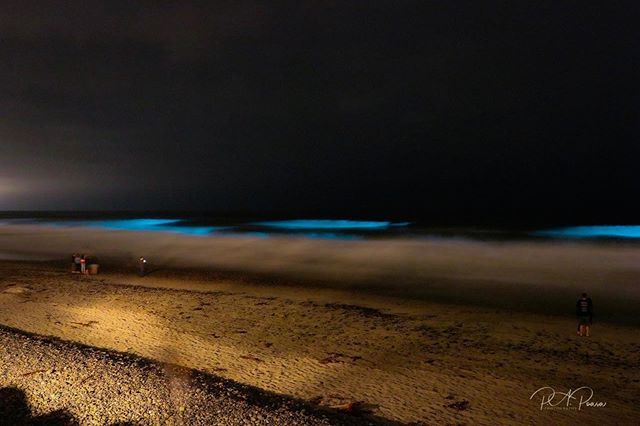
[
  {"x": 161, "y": 225},
  {"x": 602, "y": 231},
  {"x": 248, "y": 235},
  {"x": 135, "y": 224},
  {"x": 146, "y": 225},
  {"x": 305, "y": 228},
  {"x": 331, "y": 236},
  {"x": 188, "y": 230},
  {"x": 311, "y": 224}
]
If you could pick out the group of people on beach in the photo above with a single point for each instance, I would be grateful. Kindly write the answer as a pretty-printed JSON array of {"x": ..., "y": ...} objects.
[
  {"x": 79, "y": 264},
  {"x": 584, "y": 305}
]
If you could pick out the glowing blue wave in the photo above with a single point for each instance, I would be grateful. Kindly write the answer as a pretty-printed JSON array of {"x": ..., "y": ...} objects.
[
  {"x": 134, "y": 224},
  {"x": 156, "y": 225},
  {"x": 602, "y": 231},
  {"x": 331, "y": 236},
  {"x": 247, "y": 234},
  {"x": 309, "y": 228},
  {"x": 309, "y": 224}
]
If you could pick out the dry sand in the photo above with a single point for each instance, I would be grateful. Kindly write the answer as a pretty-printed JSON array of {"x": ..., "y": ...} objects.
[
  {"x": 48, "y": 382},
  {"x": 405, "y": 360}
]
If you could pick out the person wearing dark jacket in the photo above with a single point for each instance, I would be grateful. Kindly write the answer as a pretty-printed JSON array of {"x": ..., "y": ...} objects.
[
  {"x": 584, "y": 312},
  {"x": 76, "y": 261}
]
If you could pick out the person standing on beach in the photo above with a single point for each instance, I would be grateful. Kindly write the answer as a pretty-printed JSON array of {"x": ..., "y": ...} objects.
[
  {"x": 142, "y": 262},
  {"x": 76, "y": 262},
  {"x": 83, "y": 265},
  {"x": 584, "y": 311}
]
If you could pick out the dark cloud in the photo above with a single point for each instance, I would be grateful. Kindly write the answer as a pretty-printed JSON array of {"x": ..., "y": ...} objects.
[{"x": 465, "y": 108}]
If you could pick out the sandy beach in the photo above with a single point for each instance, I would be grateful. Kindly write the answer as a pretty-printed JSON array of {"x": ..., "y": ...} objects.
[
  {"x": 51, "y": 382},
  {"x": 372, "y": 213},
  {"x": 399, "y": 359}
]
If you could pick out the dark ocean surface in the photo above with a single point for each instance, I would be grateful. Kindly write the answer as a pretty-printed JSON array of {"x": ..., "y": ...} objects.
[{"x": 266, "y": 226}]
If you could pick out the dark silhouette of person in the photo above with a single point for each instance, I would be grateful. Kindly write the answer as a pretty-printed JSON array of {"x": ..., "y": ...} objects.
[
  {"x": 14, "y": 410},
  {"x": 584, "y": 312},
  {"x": 76, "y": 261},
  {"x": 13, "y": 406}
]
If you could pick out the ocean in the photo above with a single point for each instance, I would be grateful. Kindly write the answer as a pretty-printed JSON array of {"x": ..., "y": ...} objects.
[
  {"x": 540, "y": 269},
  {"x": 332, "y": 228}
]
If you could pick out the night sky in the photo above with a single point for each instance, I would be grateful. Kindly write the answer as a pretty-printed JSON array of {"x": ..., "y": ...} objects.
[{"x": 455, "y": 110}]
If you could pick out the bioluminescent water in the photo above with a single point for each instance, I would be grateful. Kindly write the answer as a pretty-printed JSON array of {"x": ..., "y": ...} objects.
[
  {"x": 144, "y": 225},
  {"x": 327, "y": 224},
  {"x": 325, "y": 229},
  {"x": 331, "y": 236},
  {"x": 302, "y": 228},
  {"x": 601, "y": 231}
]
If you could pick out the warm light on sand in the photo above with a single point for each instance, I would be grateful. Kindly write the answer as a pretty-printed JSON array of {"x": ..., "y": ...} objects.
[{"x": 409, "y": 360}]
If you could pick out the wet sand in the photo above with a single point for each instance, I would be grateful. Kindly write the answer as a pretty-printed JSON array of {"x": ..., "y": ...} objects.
[
  {"x": 541, "y": 277},
  {"x": 403, "y": 360}
]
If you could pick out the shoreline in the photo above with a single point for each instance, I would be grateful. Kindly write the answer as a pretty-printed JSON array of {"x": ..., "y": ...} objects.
[
  {"x": 540, "y": 278},
  {"x": 539, "y": 300}
]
